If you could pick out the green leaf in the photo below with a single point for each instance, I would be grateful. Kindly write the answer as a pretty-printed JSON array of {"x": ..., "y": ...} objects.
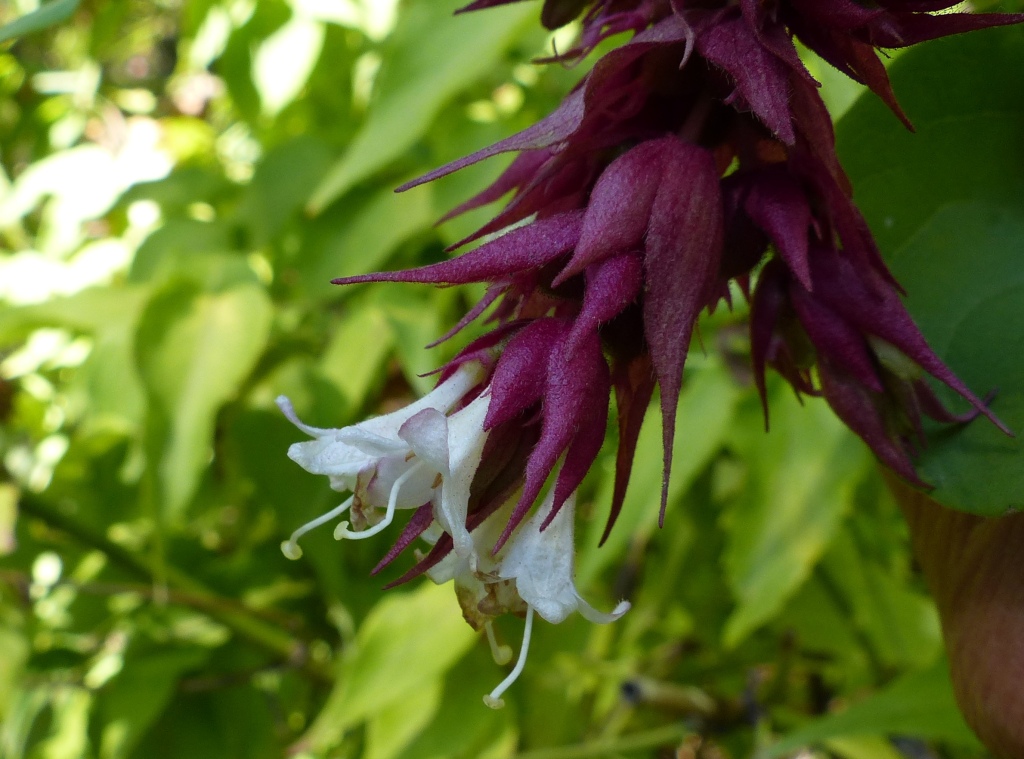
[
  {"x": 432, "y": 57},
  {"x": 408, "y": 641},
  {"x": 194, "y": 349},
  {"x": 91, "y": 310},
  {"x": 135, "y": 698},
  {"x": 801, "y": 479},
  {"x": 280, "y": 183},
  {"x": 900, "y": 624},
  {"x": 362, "y": 237},
  {"x": 920, "y": 705},
  {"x": 393, "y": 728},
  {"x": 945, "y": 206},
  {"x": 47, "y": 15}
]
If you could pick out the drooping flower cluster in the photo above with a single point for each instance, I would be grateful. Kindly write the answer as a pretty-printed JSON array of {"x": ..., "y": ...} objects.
[{"x": 694, "y": 159}]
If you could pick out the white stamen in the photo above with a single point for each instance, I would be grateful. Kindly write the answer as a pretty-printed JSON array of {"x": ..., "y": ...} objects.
[
  {"x": 493, "y": 699},
  {"x": 290, "y": 548},
  {"x": 501, "y": 653},
  {"x": 342, "y": 530}
]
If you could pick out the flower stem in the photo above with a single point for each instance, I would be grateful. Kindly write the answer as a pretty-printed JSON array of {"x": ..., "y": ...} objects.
[{"x": 242, "y": 622}]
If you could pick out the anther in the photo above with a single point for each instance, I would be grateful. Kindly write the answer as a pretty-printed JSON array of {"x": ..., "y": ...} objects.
[
  {"x": 342, "y": 531},
  {"x": 501, "y": 653}
]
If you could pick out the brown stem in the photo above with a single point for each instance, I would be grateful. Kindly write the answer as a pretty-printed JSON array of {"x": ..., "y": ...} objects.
[
  {"x": 242, "y": 621},
  {"x": 975, "y": 568}
]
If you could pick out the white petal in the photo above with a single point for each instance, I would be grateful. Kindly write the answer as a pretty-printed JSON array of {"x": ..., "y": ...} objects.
[
  {"x": 326, "y": 456},
  {"x": 466, "y": 438},
  {"x": 599, "y": 617},
  {"x": 442, "y": 398},
  {"x": 426, "y": 433},
  {"x": 362, "y": 438},
  {"x": 542, "y": 562},
  {"x": 285, "y": 404}
]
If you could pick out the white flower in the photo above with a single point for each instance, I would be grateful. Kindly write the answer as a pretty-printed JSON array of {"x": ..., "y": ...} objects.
[
  {"x": 534, "y": 572},
  {"x": 542, "y": 566},
  {"x": 400, "y": 460}
]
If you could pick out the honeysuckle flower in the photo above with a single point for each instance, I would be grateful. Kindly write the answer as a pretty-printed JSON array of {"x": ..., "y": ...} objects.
[
  {"x": 395, "y": 461},
  {"x": 540, "y": 558},
  {"x": 694, "y": 158},
  {"x": 533, "y": 573}
]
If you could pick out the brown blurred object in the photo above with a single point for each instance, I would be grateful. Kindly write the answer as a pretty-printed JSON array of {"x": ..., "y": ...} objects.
[{"x": 975, "y": 569}]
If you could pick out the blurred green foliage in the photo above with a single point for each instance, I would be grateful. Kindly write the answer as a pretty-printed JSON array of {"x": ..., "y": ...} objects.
[{"x": 179, "y": 181}]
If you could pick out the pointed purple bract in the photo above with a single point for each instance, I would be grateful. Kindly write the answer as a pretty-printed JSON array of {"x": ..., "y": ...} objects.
[
  {"x": 611, "y": 286},
  {"x": 834, "y": 337},
  {"x": 555, "y": 128},
  {"x": 684, "y": 242},
  {"x": 761, "y": 79},
  {"x": 853, "y": 404},
  {"x": 518, "y": 173},
  {"x": 518, "y": 380},
  {"x": 619, "y": 208},
  {"x": 778, "y": 205},
  {"x": 886, "y": 317},
  {"x": 575, "y": 403},
  {"x": 634, "y": 387},
  {"x": 416, "y": 526},
  {"x": 524, "y": 248}
]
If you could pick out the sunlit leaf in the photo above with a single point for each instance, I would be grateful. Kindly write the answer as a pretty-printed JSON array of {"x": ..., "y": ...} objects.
[
  {"x": 133, "y": 700},
  {"x": 407, "y": 641},
  {"x": 194, "y": 349},
  {"x": 282, "y": 63},
  {"x": 800, "y": 481},
  {"x": 390, "y": 732},
  {"x": 433, "y": 55},
  {"x": 50, "y": 14}
]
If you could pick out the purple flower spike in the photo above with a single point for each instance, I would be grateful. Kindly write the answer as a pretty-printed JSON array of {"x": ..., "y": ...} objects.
[{"x": 693, "y": 162}]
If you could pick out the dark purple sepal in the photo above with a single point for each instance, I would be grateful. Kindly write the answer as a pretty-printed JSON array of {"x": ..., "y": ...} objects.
[
  {"x": 834, "y": 337},
  {"x": 778, "y": 204},
  {"x": 634, "y": 387},
  {"x": 591, "y": 418},
  {"x": 528, "y": 247},
  {"x": 681, "y": 258},
  {"x": 611, "y": 286},
  {"x": 494, "y": 292},
  {"x": 858, "y": 409},
  {"x": 520, "y": 376},
  {"x": 760, "y": 77},
  {"x": 553, "y": 129},
  {"x": 575, "y": 404},
  {"x": 416, "y": 526},
  {"x": 839, "y": 284},
  {"x": 518, "y": 173},
  {"x": 910, "y": 29}
]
